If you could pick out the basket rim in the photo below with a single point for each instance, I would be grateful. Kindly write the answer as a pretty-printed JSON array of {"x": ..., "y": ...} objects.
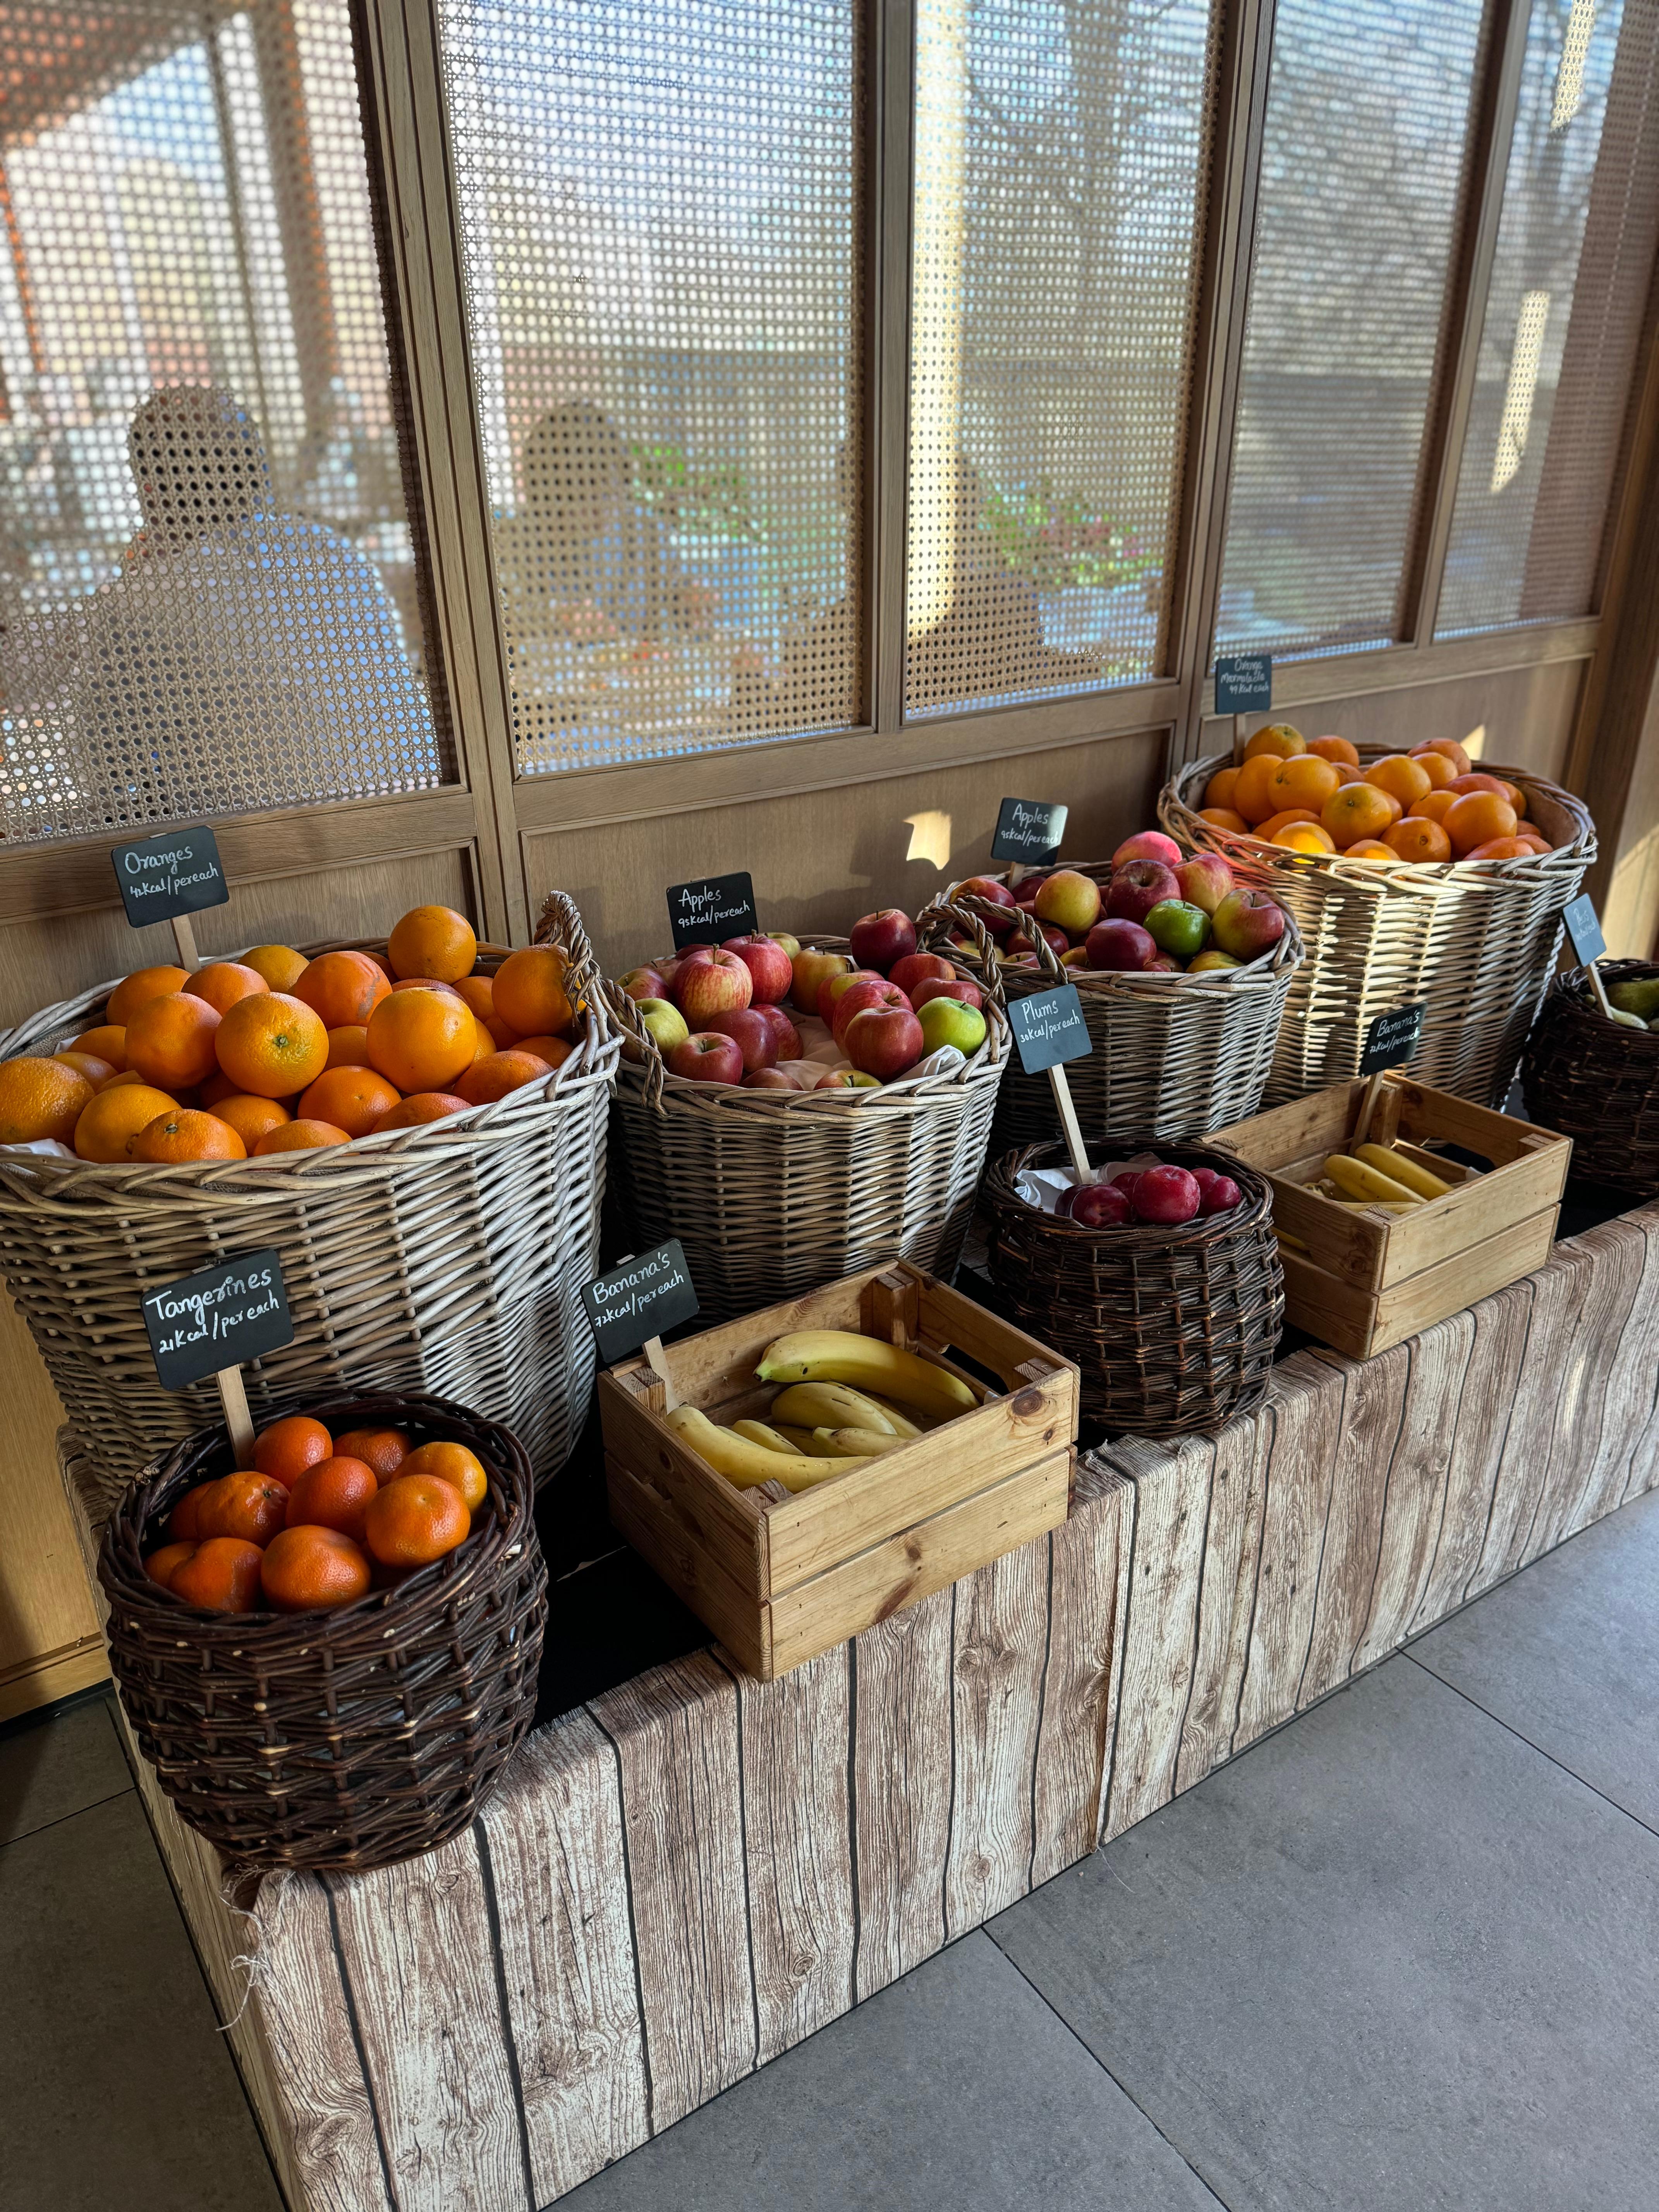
[
  {"x": 1129, "y": 1239},
  {"x": 1569, "y": 996},
  {"x": 1267, "y": 972}
]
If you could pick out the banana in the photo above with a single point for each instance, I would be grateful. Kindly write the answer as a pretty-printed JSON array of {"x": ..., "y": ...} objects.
[
  {"x": 800, "y": 1440},
  {"x": 756, "y": 1432},
  {"x": 829, "y": 1405},
  {"x": 746, "y": 1463},
  {"x": 1359, "y": 1180},
  {"x": 855, "y": 1443},
  {"x": 840, "y": 1355},
  {"x": 901, "y": 1424},
  {"x": 1402, "y": 1169}
]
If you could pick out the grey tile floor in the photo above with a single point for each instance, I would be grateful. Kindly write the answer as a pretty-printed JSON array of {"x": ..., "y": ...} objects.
[{"x": 1403, "y": 1954}]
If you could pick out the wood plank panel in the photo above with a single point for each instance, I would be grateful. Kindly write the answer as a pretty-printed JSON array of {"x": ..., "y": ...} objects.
[
  {"x": 1373, "y": 1407},
  {"x": 1414, "y": 1504},
  {"x": 1226, "y": 1604},
  {"x": 1524, "y": 1465},
  {"x": 900, "y": 1687},
  {"x": 1001, "y": 1641},
  {"x": 1583, "y": 1407},
  {"x": 1500, "y": 1326},
  {"x": 1087, "y": 1601},
  {"x": 1642, "y": 1471}
]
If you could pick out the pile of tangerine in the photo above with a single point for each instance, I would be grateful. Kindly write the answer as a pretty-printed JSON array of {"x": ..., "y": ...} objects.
[
  {"x": 1429, "y": 804},
  {"x": 319, "y": 1521},
  {"x": 275, "y": 1053}
]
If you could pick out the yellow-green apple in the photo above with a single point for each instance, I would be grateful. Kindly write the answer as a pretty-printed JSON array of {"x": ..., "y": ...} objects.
[
  {"x": 865, "y": 991},
  {"x": 1147, "y": 845},
  {"x": 945, "y": 987},
  {"x": 791, "y": 944},
  {"x": 811, "y": 968},
  {"x": 916, "y": 968},
  {"x": 644, "y": 983},
  {"x": 1070, "y": 901},
  {"x": 987, "y": 887},
  {"x": 1178, "y": 928},
  {"x": 1117, "y": 943},
  {"x": 835, "y": 987},
  {"x": 1205, "y": 880},
  {"x": 878, "y": 939},
  {"x": 751, "y": 1033},
  {"x": 1246, "y": 924},
  {"x": 1076, "y": 957},
  {"x": 707, "y": 1057},
  {"x": 848, "y": 1078},
  {"x": 785, "y": 1035},
  {"x": 947, "y": 1021},
  {"x": 771, "y": 972},
  {"x": 1137, "y": 887},
  {"x": 666, "y": 1023},
  {"x": 1207, "y": 962},
  {"x": 716, "y": 985},
  {"x": 768, "y": 1078},
  {"x": 884, "y": 1040}
]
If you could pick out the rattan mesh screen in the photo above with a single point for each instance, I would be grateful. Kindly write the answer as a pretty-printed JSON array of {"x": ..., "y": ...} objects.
[
  {"x": 1059, "y": 154},
  {"x": 657, "y": 208},
  {"x": 207, "y": 575},
  {"x": 1363, "y": 176},
  {"x": 1563, "y": 318}
]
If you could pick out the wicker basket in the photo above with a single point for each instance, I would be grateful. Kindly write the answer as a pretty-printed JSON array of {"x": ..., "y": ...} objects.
[
  {"x": 1597, "y": 1082},
  {"x": 1173, "y": 1328},
  {"x": 351, "y": 1739},
  {"x": 772, "y": 1193},
  {"x": 1475, "y": 941},
  {"x": 446, "y": 1257},
  {"x": 1175, "y": 1055}
]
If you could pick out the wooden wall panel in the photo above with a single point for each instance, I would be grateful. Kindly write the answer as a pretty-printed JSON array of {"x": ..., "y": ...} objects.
[{"x": 49, "y": 1643}]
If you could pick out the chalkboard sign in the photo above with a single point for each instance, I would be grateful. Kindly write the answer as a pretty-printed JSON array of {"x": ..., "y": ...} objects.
[
  {"x": 1585, "y": 930},
  {"x": 1048, "y": 1027},
  {"x": 1391, "y": 1039},
  {"x": 162, "y": 877},
  {"x": 227, "y": 1315},
  {"x": 642, "y": 1297},
  {"x": 1030, "y": 830},
  {"x": 1243, "y": 683},
  {"x": 709, "y": 912}
]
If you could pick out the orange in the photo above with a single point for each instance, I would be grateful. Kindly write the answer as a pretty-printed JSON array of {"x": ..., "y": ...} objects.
[
  {"x": 383, "y": 1449},
  {"x": 480, "y": 994},
  {"x": 1223, "y": 817},
  {"x": 415, "y": 1519},
  {"x": 333, "y": 1494},
  {"x": 1477, "y": 780},
  {"x": 352, "y": 1098},
  {"x": 1303, "y": 782},
  {"x": 280, "y": 964},
  {"x": 1476, "y": 819},
  {"x": 251, "y": 1505},
  {"x": 1274, "y": 823},
  {"x": 554, "y": 1050},
  {"x": 432, "y": 940},
  {"x": 289, "y": 1446},
  {"x": 127, "y": 1075},
  {"x": 530, "y": 992},
  {"x": 483, "y": 1044},
  {"x": 1538, "y": 843},
  {"x": 299, "y": 1136},
  {"x": 342, "y": 988},
  {"x": 41, "y": 1098},
  {"x": 1357, "y": 811},
  {"x": 421, "y": 1040},
  {"x": 1346, "y": 772},
  {"x": 1396, "y": 809},
  {"x": 97, "y": 1072},
  {"x": 1415, "y": 839},
  {"x": 108, "y": 1042},
  {"x": 1434, "y": 806},
  {"x": 272, "y": 1046},
  {"x": 221, "y": 1576},
  {"x": 1371, "y": 848},
  {"x": 1438, "y": 770},
  {"x": 183, "y": 1133},
  {"x": 427, "y": 983},
  {"x": 1503, "y": 848},
  {"x": 1450, "y": 748},
  {"x": 311, "y": 1570},
  {"x": 421, "y": 1106},
  {"x": 182, "y": 1521},
  {"x": 1306, "y": 838},
  {"x": 251, "y": 1118},
  {"x": 1335, "y": 749},
  {"x": 497, "y": 1074},
  {"x": 222, "y": 983},
  {"x": 501, "y": 1036},
  {"x": 1278, "y": 740},
  {"x": 1517, "y": 799},
  {"x": 454, "y": 1464},
  {"x": 170, "y": 1040},
  {"x": 347, "y": 1047},
  {"x": 161, "y": 1565},
  {"x": 217, "y": 1086},
  {"x": 1401, "y": 777},
  {"x": 114, "y": 1118},
  {"x": 143, "y": 984},
  {"x": 1218, "y": 791},
  {"x": 1252, "y": 794}
]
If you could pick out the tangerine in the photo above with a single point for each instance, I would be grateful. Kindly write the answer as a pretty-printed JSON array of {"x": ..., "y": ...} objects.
[
  {"x": 1218, "y": 791},
  {"x": 170, "y": 1040},
  {"x": 182, "y": 1522},
  {"x": 280, "y": 964},
  {"x": 352, "y": 1098},
  {"x": 1357, "y": 811},
  {"x": 342, "y": 988},
  {"x": 289, "y": 1446},
  {"x": 1438, "y": 770},
  {"x": 115, "y": 1117},
  {"x": 421, "y": 1040},
  {"x": 415, "y": 1519},
  {"x": 383, "y": 1449},
  {"x": 161, "y": 1565},
  {"x": 1277, "y": 740},
  {"x": 108, "y": 1042},
  {"x": 251, "y": 1118},
  {"x": 1223, "y": 817},
  {"x": 530, "y": 989},
  {"x": 483, "y": 1044},
  {"x": 39, "y": 1099},
  {"x": 501, "y": 1036},
  {"x": 143, "y": 984},
  {"x": 1401, "y": 777},
  {"x": 333, "y": 1494},
  {"x": 1369, "y": 848},
  {"x": 1303, "y": 781},
  {"x": 97, "y": 1072},
  {"x": 347, "y": 1047},
  {"x": 1434, "y": 806},
  {"x": 556, "y": 1050},
  {"x": 480, "y": 994},
  {"x": 1503, "y": 848},
  {"x": 1477, "y": 780},
  {"x": 1476, "y": 819},
  {"x": 1274, "y": 823},
  {"x": 1540, "y": 844},
  {"x": 299, "y": 1136},
  {"x": 1414, "y": 838},
  {"x": 419, "y": 1107},
  {"x": 1306, "y": 838},
  {"x": 222, "y": 983},
  {"x": 185, "y": 1133},
  {"x": 248, "y": 1505},
  {"x": 497, "y": 1072},
  {"x": 432, "y": 940},
  {"x": 1348, "y": 772},
  {"x": 426, "y": 983},
  {"x": 454, "y": 1464},
  {"x": 1337, "y": 751},
  {"x": 221, "y": 1576},
  {"x": 1450, "y": 749},
  {"x": 272, "y": 1046},
  {"x": 313, "y": 1570},
  {"x": 1252, "y": 794}
]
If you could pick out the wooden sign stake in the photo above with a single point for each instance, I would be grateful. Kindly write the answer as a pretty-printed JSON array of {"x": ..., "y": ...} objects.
[
  {"x": 1600, "y": 987},
  {"x": 184, "y": 937},
  {"x": 1068, "y": 1123},
  {"x": 1238, "y": 739},
  {"x": 233, "y": 1398},
  {"x": 658, "y": 1360},
  {"x": 1016, "y": 872},
  {"x": 1368, "y": 1107}
]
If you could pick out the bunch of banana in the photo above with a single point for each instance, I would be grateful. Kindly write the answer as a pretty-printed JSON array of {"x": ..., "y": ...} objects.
[
  {"x": 746, "y": 1462},
  {"x": 840, "y": 1355},
  {"x": 1374, "y": 1176}
]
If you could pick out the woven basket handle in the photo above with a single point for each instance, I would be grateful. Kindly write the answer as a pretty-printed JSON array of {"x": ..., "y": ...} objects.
[
  {"x": 966, "y": 912},
  {"x": 561, "y": 923},
  {"x": 625, "y": 1013}
]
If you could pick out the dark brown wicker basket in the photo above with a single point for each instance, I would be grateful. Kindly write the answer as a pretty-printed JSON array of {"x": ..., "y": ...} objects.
[
  {"x": 1596, "y": 1082},
  {"x": 1173, "y": 1328},
  {"x": 351, "y": 1739}
]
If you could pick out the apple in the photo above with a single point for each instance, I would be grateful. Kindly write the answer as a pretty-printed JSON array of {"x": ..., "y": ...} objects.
[
  {"x": 947, "y": 1021},
  {"x": 1070, "y": 900},
  {"x": 945, "y": 987},
  {"x": 791, "y": 944},
  {"x": 811, "y": 968},
  {"x": 771, "y": 973},
  {"x": 1177, "y": 928},
  {"x": 768, "y": 1078},
  {"x": 884, "y": 1040},
  {"x": 880, "y": 940},
  {"x": 1216, "y": 1194},
  {"x": 1147, "y": 845},
  {"x": 916, "y": 968},
  {"x": 1116, "y": 943},
  {"x": 866, "y": 990},
  {"x": 715, "y": 985},
  {"x": 665, "y": 1021},
  {"x": 644, "y": 983},
  {"x": 1165, "y": 964},
  {"x": 1204, "y": 881},
  {"x": 1021, "y": 942},
  {"x": 835, "y": 987},
  {"x": 1211, "y": 959},
  {"x": 1100, "y": 1206},
  {"x": 751, "y": 1033},
  {"x": 785, "y": 1034},
  {"x": 1076, "y": 957},
  {"x": 847, "y": 1078},
  {"x": 1246, "y": 924},
  {"x": 707, "y": 1057},
  {"x": 1138, "y": 887},
  {"x": 1166, "y": 1194},
  {"x": 987, "y": 887}
]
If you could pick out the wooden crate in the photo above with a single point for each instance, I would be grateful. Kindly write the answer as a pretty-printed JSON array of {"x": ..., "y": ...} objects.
[
  {"x": 1362, "y": 1278},
  {"x": 780, "y": 1580}
]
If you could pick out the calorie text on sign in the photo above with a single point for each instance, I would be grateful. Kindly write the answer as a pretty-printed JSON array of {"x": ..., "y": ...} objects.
[
  {"x": 1030, "y": 830},
  {"x": 1584, "y": 930},
  {"x": 645, "y": 1296},
  {"x": 1392, "y": 1039},
  {"x": 709, "y": 912},
  {"x": 164, "y": 878},
  {"x": 1049, "y": 1028},
  {"x": 222, "y": 1317},
  {"x": 1243, "y": 683}
]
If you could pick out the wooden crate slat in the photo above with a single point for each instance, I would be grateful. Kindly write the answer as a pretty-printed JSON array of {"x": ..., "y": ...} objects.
[
  {"x": 649, "y": 1518},
  {"x": 1088, "y": 1596},
  {"x": 901, "y": 1772}
]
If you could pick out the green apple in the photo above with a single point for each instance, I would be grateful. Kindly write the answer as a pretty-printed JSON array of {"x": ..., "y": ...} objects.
[
  {"x": 1639, "y": 995},
  {"x": 1208, "y": 961},
  {"x": 1177, "y": 927},
  {"x": 666, "y": 1023},
  {"x": 947, "y": 1021}
]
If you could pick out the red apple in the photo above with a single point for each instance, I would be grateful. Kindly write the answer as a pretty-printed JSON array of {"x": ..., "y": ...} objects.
[
  {"x": 1165, "y": 1194},
  {"x": 880, "y": 940},
  {"x": 914, "y": 968},
  {"x": 945, "y": 987},
  {"x": 868, "y": 991},
  {"x": 675, "y": 974},
  {"x": 832, "y": 987},
  {"x": 771, "y": 972},
  {"x": 1139, "y": 886},
  {"x": 811, "y": 968},
  {"x": 644, "y": 983},
  {"x": 1216, "y": 1194},
  {"x": 884, "y": 1040},
  {"x": 1021, "y": 942},
  {"x": 768, "y": 1078},
  {"x": 1100, "y": 1206},
  {"x": 1147, "y": 845},
  {"x": 717, "y": 985},
  {"x": 1246, "y": 924},
  {"x": 1165, "y": 964},
  {"x": 752, "y": 1034},
  {"x": 707, "y": 1057},
  {"x": 1204, "y": 881},
  {"x": 987, "y": 887},
  {"x": 1120, "y": 944},
  {"x": 1070, "y": 901},
  {"x": 785, "y": 1035}
]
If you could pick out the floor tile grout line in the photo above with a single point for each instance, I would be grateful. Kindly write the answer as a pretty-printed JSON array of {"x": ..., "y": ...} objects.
[
  {"x": 1509, "y": 1728},
  {"x": 1043, "y": 1998},
  {"x": 27, "y": 1835}
]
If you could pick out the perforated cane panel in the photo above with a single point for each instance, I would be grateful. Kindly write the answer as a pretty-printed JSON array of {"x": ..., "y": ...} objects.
[
  {"x": 1059, "y": 155},
  {"x": 207, "y": 576},
  {"x": 657, "y": 208}
]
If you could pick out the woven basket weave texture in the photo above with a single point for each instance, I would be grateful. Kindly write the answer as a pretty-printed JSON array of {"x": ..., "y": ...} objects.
[
  {"x": 448, "y": 1257},
  {"x": 349, "y": 1738},
  {"x": 1596, "y": 1082},
  {"x": 1473, "y": 941}
]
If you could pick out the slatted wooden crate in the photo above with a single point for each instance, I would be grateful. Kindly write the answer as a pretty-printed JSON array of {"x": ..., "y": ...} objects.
[
  {"x": 1362, "y": 1278},
  {"x": 781, "y": 1579}
]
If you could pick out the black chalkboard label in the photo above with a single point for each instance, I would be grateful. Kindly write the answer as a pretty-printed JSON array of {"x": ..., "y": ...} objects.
[
  {"x": 642, "y": 1297},
  {"x": 1030, "y": 830},
  {"x": 1585, "y": 930},
  {"x": 1048, "y": 1027},
  {"x": 222, "y": 1317},
  {"x": 1243, "y": 683},
  {"x": 161, "y": 877},
  {"x": 1391, "y": 1039},
  {"x": 709, "y": 912}
]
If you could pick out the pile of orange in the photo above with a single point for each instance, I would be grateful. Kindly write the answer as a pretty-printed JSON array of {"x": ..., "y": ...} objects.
[
  {"x": 319, "y": 1521},
  {"x": 275, "y": 1053},
  {"x": 1428, "y": 805}
]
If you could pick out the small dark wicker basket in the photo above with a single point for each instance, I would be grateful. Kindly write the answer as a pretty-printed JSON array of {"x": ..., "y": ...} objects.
[
  {"x": 351, "y": 1739},
  {"x": 1173, "y": 1328},
  {"x": 1596, "y": 1082}
]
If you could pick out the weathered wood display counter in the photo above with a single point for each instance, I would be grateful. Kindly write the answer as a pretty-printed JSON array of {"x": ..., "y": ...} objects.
[{"x": 691, "y": 1873}]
